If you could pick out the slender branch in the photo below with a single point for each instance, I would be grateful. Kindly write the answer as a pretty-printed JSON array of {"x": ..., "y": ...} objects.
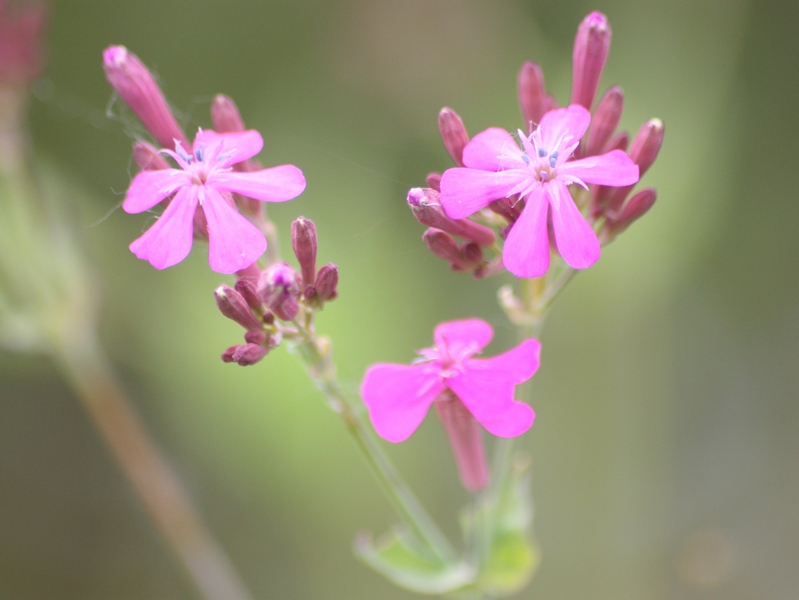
[{"x": 87, "y": 370}]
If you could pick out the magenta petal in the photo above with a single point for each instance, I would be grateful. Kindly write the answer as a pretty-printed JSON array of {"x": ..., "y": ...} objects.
[
  {"x": 488, "y": 394},
  {"x": 233, "y": 242},
  {"x": 526, "y": 251},
  {"x": 614, "y": 168},
  {"x": 572, "y": 121},
  {"x": 465, "y": 191},
  {"x": 486, "y": 147},
  {"x": 241, "y": 145},
  {"x": 169, "y": 241},
  {"x": 469, "y": 332},
  {"x": 149, "y": 188},
  {"x": 574, "y": 237},
  {"x": 398, "y": 398},
  {"x": 518, "y": 364},
  {"x": 276, "y": 184}
]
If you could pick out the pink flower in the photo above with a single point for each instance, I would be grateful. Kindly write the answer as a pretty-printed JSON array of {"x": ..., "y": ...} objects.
[
  {"x": 399, "y": 396},
  {"x": 204, "y": 181},
  {"x": 539, "y": 174}
]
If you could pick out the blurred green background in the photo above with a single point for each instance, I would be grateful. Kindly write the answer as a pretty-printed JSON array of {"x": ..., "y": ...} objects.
[{"x": 666, "y": 448}]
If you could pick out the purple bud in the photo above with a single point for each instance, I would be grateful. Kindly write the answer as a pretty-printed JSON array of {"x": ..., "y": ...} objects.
[
  {"x": 508, "y": 208},
  {"x": 453, "y": 133},
  {"x": 591, "y": 47},
  {"x": 472, "y": 253},
  {"x": 147, "y": 157},
  {"x": 233, "y": 305},
  {"x": 532, "y": 95},
  {"x": 606, "y": 119},
  {"x": 278, "y": 288},
  {"x": 433, "y": 180},
  {"x": 444, "y": 246},
  {"x": 327, "y": 283},
  {"x": 643, "y": 152},
  {"x": 225, "y": 116},
  {"x": 137, "y": 88},
  {"x": 247, "y": 288},
  {"x": 304, "y": 243},
  {"x": 635, "y": 208},
  {"x": 426, "y": 207},
  {"x": 244, "y": 354}
]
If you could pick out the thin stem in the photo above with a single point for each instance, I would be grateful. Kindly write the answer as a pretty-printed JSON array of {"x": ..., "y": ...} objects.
[
  {"x": 87, "y": 370},
  {"x": 316, "y": 355}
]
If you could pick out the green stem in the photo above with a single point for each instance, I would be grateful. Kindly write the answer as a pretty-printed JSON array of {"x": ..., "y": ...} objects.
[
  {"x": 317, "y": 358},
  {"x": 87, "y": 370}
]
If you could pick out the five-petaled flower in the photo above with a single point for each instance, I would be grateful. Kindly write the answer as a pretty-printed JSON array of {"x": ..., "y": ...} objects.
[
  {"x": 205, "y": 181},
  {"x": 538, "y": 173},
  {"x": 399, "y": 396}
]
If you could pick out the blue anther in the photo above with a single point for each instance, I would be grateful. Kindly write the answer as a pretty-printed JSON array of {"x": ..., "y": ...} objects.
[
  {"x": 526, "y": 159},
  {"x": 199, "y": 153},
  {"x": 542, "y": 153},
  {"x": 553, "y": 159}
]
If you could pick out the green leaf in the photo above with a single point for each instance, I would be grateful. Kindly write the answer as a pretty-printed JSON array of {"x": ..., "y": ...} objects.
[{"x": 395, "y": 557}]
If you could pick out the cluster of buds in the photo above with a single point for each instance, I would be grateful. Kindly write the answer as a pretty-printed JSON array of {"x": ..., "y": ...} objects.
[
  {"x": 278, "y": 302},
  {"x": 609, "y": 210}
]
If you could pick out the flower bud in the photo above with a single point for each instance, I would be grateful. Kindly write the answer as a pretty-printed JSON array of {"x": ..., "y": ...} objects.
[
  {"x": 137, "y": 88},
  {"x": 532, "y": 96},
  {"x": 426, "y": 207},
  {"x": 225, "y": 116},
  {"x": 606, "y": 119},
  {"x": 244, "y": 354},
  {"x": 21, "y": 47},
  {"x": 278, "y": 289},
  {"x": 591, "y": 47},
  {"x": 444, "y": 246},
  {"x": 304, "y": 243},
  {"x": 147, "y": 157},
  {"x": 233, "y": 305},
  {"x": 634, "y": 209},
  {"x": 248, "y": 290},
  {"x": 433, "y": 180},
  {"x": 643, "y": 152},
  {"x": 453, "y": 133},
  {"x": 327, "y": 283}
]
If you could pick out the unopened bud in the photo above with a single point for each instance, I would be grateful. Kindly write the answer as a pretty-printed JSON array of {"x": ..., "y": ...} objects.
[
  {"x": 472, "y": 253},
  {"x": 433, "y": 180},
  {"x": 137, "y": 88},
  {"x": 304, "y": 243},
  {"x": 606, "y": 119},
  {"x": 244, "y": 354},
  {"x": 147, "y": 157},
  {"x": 591, "y": 47},
  {"x": 444, "y": 246},
  {"x": 635, "y": 208},
  {"x": 426, "y": 207},
  {"x": 327, "y": 283},
  {"x": 508, "y": 208},
  {"x": 278, "y": 289},
  {"x": 643, "y": 152},
  {"x": 247, "y": 288},
  {"x": 533, "y": 100},
  {"x": 453, "y": 132},
  {"x": 233, "y": 305},
  {"x": 225, "y": 116}
]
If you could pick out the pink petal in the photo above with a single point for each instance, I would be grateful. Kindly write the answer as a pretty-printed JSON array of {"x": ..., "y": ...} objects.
[
  {"x": 233, "y": 242},
  {"x": 486, "y": 147},
  {"x": 488, "y": 395},
  {"x": 276, "y": 184},
  {"x": 149, "y": 188},
  {"x": 517, "y": 364},
  {"x": 168, "y": 241},
  {"x": 465, "y": 191},
  {"x": 241, "y": 145},
  {"x": 574, "y": 237},
  {"x": 398, "y": 397},
  {"x": 570, "y": 121},
  {"x": 526, "y": 251},
  {"x": 614, "y": 168},
  {"x": 475, "y": 332}
]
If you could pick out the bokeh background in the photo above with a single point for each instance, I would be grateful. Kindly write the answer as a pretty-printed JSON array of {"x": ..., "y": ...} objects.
[{"x": 665, "y": 453}]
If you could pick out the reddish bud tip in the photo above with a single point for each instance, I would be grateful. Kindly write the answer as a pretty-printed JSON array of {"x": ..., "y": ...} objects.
[
  {"x": 605, "y": 121},
  {"x": 533, "y": 99},
  {"x": 635, "y": 208},
  {"x": 225, "y": 116},
  {"x": 233, "y": 305},
  {"x": 147, "y": 157},
  {"x": 244, "y": 354},
  {"x": 646, "y": 145},
  {"x": 426, "y": 206},
  {"x": 304, "y": 243},
  {"x": 433, "y": 180},
  {"x": 591, "y": 47},
  {"x": 327, "y": 283},
  {"x": 137, "y": 88},
  {"x": 444, "y": 246},
  {"x": 453, "y": 133}
]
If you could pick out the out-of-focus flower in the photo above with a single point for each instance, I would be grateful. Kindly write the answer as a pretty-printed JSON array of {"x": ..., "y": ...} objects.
[
  {"x": 399, "y": 396},
  {"x": 205, "y": 180},
  {"x": 21, "y": 48},
  {"x": 538, "y": 173}
]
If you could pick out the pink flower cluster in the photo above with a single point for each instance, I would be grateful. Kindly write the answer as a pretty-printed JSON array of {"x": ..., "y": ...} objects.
[
  {"x": 200, "y": 194},
  {"x": 528, "y": 181}
]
